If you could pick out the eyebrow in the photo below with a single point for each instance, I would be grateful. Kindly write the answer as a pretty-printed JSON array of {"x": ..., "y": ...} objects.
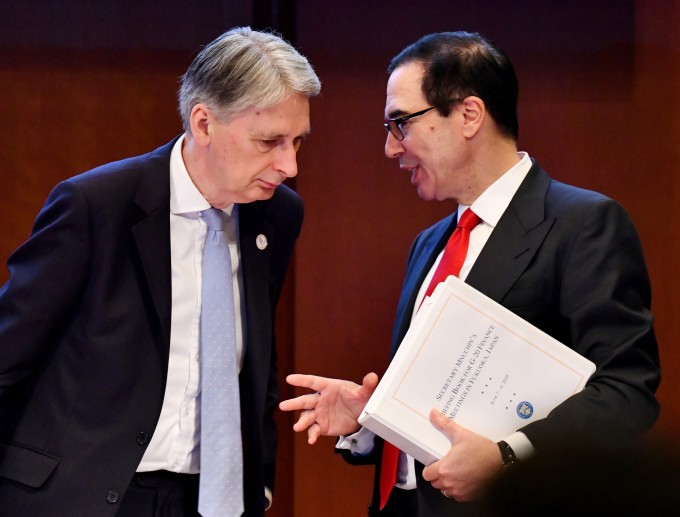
[
  {"x": 276, "y": 136},
  {"x": 395, "y": 114}
]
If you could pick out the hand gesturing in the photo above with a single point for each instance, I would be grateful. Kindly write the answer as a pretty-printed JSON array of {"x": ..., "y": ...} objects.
[{"x": 333, "y": 408}]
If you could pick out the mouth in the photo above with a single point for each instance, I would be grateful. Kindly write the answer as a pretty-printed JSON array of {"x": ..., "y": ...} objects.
[
  {"x": 414, "y": 174},
  {"x": 268, "y": 184}
]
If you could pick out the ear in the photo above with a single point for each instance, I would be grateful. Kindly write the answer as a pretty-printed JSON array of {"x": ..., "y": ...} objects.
[
  {"x": 200, "y": 121},
  {"x": 474, "y": 113}
]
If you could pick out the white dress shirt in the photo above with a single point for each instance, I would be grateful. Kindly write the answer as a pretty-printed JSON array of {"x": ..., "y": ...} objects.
[{"x": 175, "y": 442}]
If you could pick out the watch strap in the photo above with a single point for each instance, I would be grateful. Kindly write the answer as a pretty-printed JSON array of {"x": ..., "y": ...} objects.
[{"x": 508, "y": 456}]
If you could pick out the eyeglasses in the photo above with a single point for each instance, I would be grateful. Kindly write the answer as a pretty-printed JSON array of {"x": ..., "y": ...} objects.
[{"x": 393, "y": 125}]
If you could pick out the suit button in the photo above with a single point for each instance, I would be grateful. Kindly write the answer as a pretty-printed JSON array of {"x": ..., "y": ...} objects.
[
  {"x": 142, "y": 438},
  {"x": 112, "y": 497}
]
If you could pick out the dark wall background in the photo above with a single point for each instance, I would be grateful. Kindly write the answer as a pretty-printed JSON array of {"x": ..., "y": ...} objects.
[{"x": 85, "y": 82}]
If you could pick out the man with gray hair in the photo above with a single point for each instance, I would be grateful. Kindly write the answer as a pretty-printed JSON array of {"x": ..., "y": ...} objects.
[{"x": 118, "y": 336}]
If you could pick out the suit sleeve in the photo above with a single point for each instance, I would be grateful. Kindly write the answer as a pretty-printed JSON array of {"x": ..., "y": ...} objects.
[
  {"x": 604, "y": 307},
  {"x": 46, "y": 275}
]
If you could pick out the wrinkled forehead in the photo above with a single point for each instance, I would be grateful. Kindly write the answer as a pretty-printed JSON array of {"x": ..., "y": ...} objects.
[{"x": 404, "y": 90}]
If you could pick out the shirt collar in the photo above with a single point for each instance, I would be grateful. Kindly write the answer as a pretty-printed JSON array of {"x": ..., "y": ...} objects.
[
  {"x": 495, "y": 199},
  {"x": 185, "y": 198}
]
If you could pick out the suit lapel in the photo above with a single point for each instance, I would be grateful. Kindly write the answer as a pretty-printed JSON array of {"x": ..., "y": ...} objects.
[
  {"x": 256, "y": 237},
  {"x": 515, "y": 240},
  {"x": 422, "y": 256},
  {"x": 152, "y": 232},
  {"x": 432, "y": 245}
]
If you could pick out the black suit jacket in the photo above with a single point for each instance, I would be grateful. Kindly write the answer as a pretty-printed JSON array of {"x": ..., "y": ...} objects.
[
  {"x": 85, "y": 336},
  {"x": 569, "y": 261}
]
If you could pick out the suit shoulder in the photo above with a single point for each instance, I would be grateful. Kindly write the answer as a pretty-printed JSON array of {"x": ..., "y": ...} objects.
[
  {"x": 124, "y": 169},
  {"x": 571, "y": 194},
  {"x": 284, "y": 211},
  {"x": 285, "y": 197},
  {"x": 284, "y": 206},
  {"x": 110, "y": 181},
  {"x": 568, "y": 200}
]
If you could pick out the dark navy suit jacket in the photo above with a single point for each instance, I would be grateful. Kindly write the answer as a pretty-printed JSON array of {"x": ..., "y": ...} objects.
[
  {"x": 85, "y": 336},
  {"x": 569, "y": 261}
]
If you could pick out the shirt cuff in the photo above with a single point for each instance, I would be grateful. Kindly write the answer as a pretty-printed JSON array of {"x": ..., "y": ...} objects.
[
  {"x": 269, "y": 496},
  {"x": 359, "y": 443},
  {"x": 521, "y": 445}
]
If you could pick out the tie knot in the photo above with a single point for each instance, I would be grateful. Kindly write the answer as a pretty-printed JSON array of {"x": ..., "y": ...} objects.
[
  {"x": 468, "y": 220},
  {"x": 213, "y": 218}
]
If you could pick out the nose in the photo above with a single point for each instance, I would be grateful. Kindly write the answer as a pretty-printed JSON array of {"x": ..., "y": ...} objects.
[
  {"x": 393, "y": 147},
  {"x": 286, "y": 161}
]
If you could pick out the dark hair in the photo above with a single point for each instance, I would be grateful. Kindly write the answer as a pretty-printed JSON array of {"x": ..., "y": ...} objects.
[{"x": 459, "y": 64}]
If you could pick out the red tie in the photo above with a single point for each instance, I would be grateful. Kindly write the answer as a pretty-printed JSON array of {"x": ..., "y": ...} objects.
[{"x": 450, "y": 264}]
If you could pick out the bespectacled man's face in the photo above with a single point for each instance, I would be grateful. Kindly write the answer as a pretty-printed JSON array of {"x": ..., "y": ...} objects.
[{"x": 433, "y": 149}]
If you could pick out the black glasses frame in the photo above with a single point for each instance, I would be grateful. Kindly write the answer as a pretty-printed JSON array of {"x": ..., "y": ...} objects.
[{"x": 393, "y": 125}]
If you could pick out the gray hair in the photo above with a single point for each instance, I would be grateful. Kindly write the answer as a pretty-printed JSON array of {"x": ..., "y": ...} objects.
[{"x": 243, "y": 69}]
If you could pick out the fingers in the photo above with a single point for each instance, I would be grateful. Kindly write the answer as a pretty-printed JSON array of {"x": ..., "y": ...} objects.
[
  {"x": 307, "y": 419},
  {"x": 431, "y": 473},
  {"x": 300, "y": 403},
  {"x": 313, "y": 433},
  {"x": 300, "y": 380}
]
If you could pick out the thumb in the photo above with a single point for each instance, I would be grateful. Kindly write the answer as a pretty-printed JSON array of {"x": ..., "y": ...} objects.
[
  {"x": 443, "y": 423},
  {"x": 370, "y": 382}
]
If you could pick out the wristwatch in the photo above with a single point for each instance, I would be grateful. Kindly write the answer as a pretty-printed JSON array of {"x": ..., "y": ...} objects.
[{"x": 508, "y": 456}]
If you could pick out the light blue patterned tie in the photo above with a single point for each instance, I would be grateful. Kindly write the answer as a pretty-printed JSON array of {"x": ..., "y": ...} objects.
[{"x": 221, "y": 479}]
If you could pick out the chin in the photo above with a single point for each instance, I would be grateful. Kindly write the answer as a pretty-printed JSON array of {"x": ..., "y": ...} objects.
[
  {"x": 263, "y": 194},
  {"x": 425, "y": 195}
]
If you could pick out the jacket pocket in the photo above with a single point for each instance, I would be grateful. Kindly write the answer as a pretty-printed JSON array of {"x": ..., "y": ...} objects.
[{"x": 24, "y": 465}]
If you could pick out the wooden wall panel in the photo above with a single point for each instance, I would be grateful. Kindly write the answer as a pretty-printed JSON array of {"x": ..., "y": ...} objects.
[{"x": 65, "y": 112}]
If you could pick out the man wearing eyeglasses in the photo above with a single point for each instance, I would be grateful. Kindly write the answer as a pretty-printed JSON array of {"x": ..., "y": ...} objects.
[{"x": 565, "y": 259}]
